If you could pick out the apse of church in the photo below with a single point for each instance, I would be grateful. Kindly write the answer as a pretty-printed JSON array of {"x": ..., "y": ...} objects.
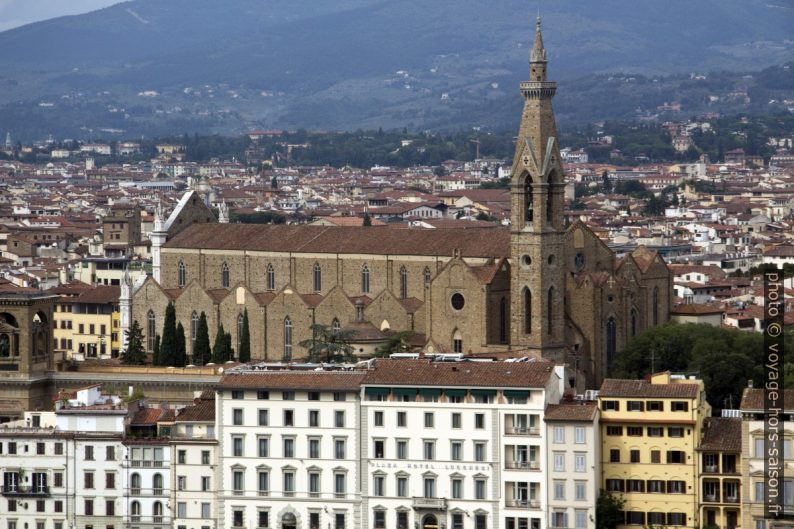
[{"x": 535, "y": 289}]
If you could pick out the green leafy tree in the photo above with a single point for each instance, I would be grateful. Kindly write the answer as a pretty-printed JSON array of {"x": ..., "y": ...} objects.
[
  {"x": 245, "y": 340},
  {"x": 219, "y": 346},
  {"x": 168, "y": 344},
  {"x": 367, "y": 220},
  {"x": 134, "y": 354},
  {"x": 606, "y": 183},
  {"x": 274, "y": 183},
  {"x": 201, "y": 348},
  {"x": 609, "y": 510},
  {"x": 180, "y": 358},
  {"x": 328, "y": 344},
  {"x": 397, "y": 343}
]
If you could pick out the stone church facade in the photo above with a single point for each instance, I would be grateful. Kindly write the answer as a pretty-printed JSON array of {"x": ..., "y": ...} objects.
[{"x": 536, "y": 289}]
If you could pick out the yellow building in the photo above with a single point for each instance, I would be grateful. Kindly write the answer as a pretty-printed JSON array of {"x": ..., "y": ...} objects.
[
  {"x": 87, "y": 324},
  {"x": 650, "y": 430},
  {"x": 720, "y": 479}
]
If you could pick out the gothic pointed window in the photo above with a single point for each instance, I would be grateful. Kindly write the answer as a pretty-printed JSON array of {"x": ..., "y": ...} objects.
[
  {"x": 427, "y": 275},
  {"x": 336, "y": 326},
  {"x": 550, "y": 201},
  {"x": 403, "y": 283},
  {"x": 271, "y": 277},
  {"x": 503, "y": 320},
  {"x": 318, "y": 278},
  {"x": 612, "y": 339},
  {"x": 287, "y": 339},
  {"x": 225, "y": 276},
  {"x": 634, "y": 323},
  {"x": 527, "y": 295},
  {"x": 194, "y": 319},
  {"x": 457, "y": 342},
  {"x": 529, "y": 200},
  {"x": 151, "y": 330},
  {"x": 655, "y": 308},
  {"x": 181, "y": 275},
  {"x": 550, "y": 309},
  {"x": 365, "y": 279}
]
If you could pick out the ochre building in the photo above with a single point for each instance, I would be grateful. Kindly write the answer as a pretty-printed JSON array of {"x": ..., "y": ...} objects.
[{"x": 538, "y": 288}]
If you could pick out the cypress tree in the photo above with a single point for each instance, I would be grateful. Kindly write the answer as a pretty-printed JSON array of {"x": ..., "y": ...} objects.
[
  {"x": 228, "y": 351},
  {"x": 134, "y": 353},
  {"x": 218, "y": 346},
  {"x": 181, "y": 346},
  {"x": 244, "y": 354},
  {"x": 201, "y": 349},
  {"x": 168, "y": 344},
  {"x": 156, "y": 351}
]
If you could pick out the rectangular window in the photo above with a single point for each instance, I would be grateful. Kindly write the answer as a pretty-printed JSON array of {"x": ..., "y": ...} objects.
[
  {"x": 635, "y": 405},
  {"x": 456, "y": 420},
  {"x": 340, "y": 484},
  {"x": 237, "y": 446},
  {"x": 289, "y": 418},
  {"x": 559, "y": 434},
  {"x": 263, "y": 447},
  {"x": 580, "y": 519},
  {"x": 580, "y": 491},
  {"x": 429, "y": 419},
  {"x": 656, "y": 486},
  {"x": 456, "y": 450},
  {"x": 263, "y": 417},
  {"x": 40, "y": 449},
  {"x": 181, "y": 455},
  {"x": 378, "y": 448},
  {"x": 402, "y": 449},
  {"x": 610, "y": 405},
  {"x": 378, "y": 418},
  {"x": 559, "y": 461},
  {"x": 635, "y": 485},
  {"x": 289, "y": 447},
  {"x": 339, "y": 521},
  {"x": 287, "y": 395},
  {"x": 339, "y": 419},
  {"x": 110, "y": 453},
  {"x": 634, "y": 456},
  {"x": 88, "y": 507},
  {"x": 379, "y": 486},
  {"x": 679, "y": 405},
  {"x": 110, "y": 480},
  {"x": 457, "y": 488},
  {"x": 479, "y": 489},
  {"x": 429, "y": 450},
  {"x": 313, "y": 395},
  {"x": 615, "y": 430},
  {"x": 88, "y": 480},
  {"x": 579, "y": 462},
  {"x": 559, "y": 490},
  {"x": 314, "y": 418},
  {"x": 479, "y": 451},
  {"x": 263, "y": 394},
  {"x": 288, "y": 483},
  {"x": 479, "y": 421},
  {"x": 655, "y": 405},
  {"x": 656, "y": 456},
  {"x": 339, "y": 396},
  {"x": 676, "y": 456},
  {"x": 339, "y": 448},
  {"x": 634, "y": 431},
  {"x": 205, "y": 510},
  {"x": 614, "y": 455},
  {"x": 205, "y": 457},
  {"x": 181, "y": 509},
  {"x": 237, "y": 417},
  {"x": 675, "y": 431},
  {"x": 676, "y": 518},
  {"x": 579, "y": 435},
  {"x": 263, "y": 519},
  {"x": 205, "y": 483},
  {"x": 88, "y": 453},
  {"x": 676, "y": 487},
  {"x": 402, "y": 487},
  {"x": 238, "y": 479},
  {"x": 401, "y": 419},
  {"x": 655, "y": 431},
  {"x": 314, "y": 449},
  {"x": 238, "y": 394}
]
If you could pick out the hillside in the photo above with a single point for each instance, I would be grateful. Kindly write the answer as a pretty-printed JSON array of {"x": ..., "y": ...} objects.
[{"x": 150, "y": 65}]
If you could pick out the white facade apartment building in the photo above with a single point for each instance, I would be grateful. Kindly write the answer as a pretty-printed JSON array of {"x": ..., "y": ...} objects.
[
  {"x": 289, "y": 450},
  {"x": 456, "y": 445},
  {"x": 573, "y": 464},
  {"x": 195, "y": 469},
  {"x": 147, "y": 483},
  {"x": 96, "y": 477}
]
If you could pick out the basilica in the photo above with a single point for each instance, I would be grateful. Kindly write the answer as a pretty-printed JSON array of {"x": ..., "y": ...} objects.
[{"x": 537, "y": 289}]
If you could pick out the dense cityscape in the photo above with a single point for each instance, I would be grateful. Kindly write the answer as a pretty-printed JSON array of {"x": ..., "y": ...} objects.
[{"x": 293, "y": 328}]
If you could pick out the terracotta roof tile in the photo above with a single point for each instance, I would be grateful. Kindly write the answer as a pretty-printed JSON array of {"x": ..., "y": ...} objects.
[
  {"x": 100, "y": 295},
  {"x": 295, "y": 380},
  {"x": 585, "y": 412},
  {"x": 494, "y": 242},
  {"x": 613, "y": 387},
  {"x": 753, "y": 399},
  {"x": 722, "y": 433},
  {"x": 471, "y": 374}
]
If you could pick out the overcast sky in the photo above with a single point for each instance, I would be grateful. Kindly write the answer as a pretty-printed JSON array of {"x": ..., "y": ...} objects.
[{"x": 15, "y": 13}]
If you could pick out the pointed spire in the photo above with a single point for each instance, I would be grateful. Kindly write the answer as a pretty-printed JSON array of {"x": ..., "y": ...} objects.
[{"x": 538, "y": 51}]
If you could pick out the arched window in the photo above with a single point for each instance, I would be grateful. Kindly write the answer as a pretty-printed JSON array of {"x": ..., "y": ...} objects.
[
  {"x": 612, "y": 342},
  {"x": 271, "y": 277},
  {"x": 634, "y": 317},
  {"x": 135, "y": 484},
  {"x": 157, "y": 484},
  {"x": 403, "y": 283},
  {"x": 529, "y": 199},
  {"x": 318, "y": 278},
  {"x": 181, "y": 275},
  {"x": 655, "y": 308},
  {"x": 365, "y": 279},
  {"x": 527, "y": 295},
  {"x": 239, "y": 332},
  {"x": 550, "y": 200},
  {"x": 194, "y": 320},
  {"x": 427, "y": 276},
  {"x": 457, "y": 342},
  {"x": 151, "y": 330},
  {"x": 503, "y": 320},
  {"x": 135, "y": 511},
  {"x": 225, "y": 276},
  {"x": 335, "y": 325},
  {"x": 157, "y": 512},
  {"x": 550, "y": 309},
  {"x": 287, "y": 339}
]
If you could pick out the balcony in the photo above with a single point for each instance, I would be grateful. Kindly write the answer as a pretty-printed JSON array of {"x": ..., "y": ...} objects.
[
  {"x": 522, "y": 465},
  {"x": 29, "y": 491},
  {"x": 711, "y": 469},
  {"x": 438, "y": 504},
  {"x": 521, "y": 430},
  {"x": 733, "y": 498},
  {"x": 148, "y": 520},
  {"x": 711, "y": 497},
  {"x": 522, "y": 503},
  {"x": 138, "y": 463}
]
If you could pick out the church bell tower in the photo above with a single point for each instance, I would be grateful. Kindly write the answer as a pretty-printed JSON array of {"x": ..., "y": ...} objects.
[{"x": 537, "y": 186}]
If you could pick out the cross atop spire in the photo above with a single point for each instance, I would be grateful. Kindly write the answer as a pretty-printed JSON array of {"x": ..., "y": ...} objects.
[{"x": 538, "y": 51}]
